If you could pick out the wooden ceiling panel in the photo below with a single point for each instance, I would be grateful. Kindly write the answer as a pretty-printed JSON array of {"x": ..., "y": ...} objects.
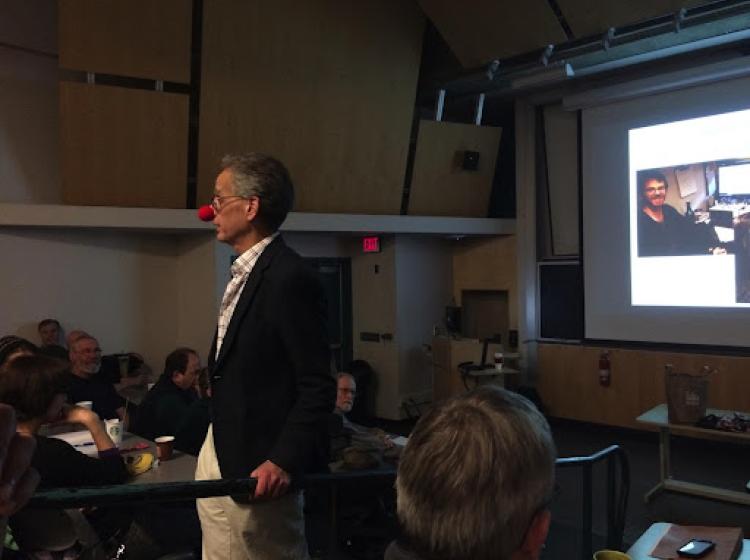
[
  {"x": 328, "y": 87},
  {"x": 439, "y": 186},
  {"x": 138, "y": 38},
  {"x": 483, "y": 30},
  {"x": 589, "y": 17}
]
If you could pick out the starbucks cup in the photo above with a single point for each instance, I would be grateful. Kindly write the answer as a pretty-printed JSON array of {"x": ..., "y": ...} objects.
[{"x": 114, "y": 430}]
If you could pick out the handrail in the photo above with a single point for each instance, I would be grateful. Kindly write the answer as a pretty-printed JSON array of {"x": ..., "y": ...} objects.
[
  {"x": 126, "y": 494},
  {"x": 593, "y": 458},
  {"x": 617, "y": 498}
]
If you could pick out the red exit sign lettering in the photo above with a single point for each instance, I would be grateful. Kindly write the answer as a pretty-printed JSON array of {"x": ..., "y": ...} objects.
[{"x": 371, "y": 244}]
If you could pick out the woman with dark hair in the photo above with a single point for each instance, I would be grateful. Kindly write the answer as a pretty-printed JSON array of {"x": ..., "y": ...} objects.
[
  {"x": 36, "y": 387},
  {"x": 11, "y": 347}
]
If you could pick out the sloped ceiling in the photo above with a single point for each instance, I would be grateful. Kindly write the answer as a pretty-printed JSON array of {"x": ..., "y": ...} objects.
[{"x": 479, "y": 31}]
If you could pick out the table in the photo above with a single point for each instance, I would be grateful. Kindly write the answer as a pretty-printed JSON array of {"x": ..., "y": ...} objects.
[
  {"x": 647, "y": 541},
  {"x": 180, "y": 468},
  {"x": 658, "y": 417}
]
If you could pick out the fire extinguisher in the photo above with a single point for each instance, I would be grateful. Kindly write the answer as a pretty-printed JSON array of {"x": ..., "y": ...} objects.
[{"x": 605, "y": 369}]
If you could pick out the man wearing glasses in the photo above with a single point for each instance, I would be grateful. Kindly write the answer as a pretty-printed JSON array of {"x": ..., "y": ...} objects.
[{"x": 269, "y": 364}]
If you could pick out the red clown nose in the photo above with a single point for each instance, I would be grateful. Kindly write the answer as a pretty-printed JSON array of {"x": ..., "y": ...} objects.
[{"x": 206, "y": 213}]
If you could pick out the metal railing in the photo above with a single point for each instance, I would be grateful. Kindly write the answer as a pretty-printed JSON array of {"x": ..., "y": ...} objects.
[
  {"x": 617, "y": 491},
  {"x": 614, "y": 456}
]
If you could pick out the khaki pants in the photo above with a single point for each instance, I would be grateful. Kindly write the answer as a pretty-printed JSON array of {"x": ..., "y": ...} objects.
[{"x": 272, "y": 530}]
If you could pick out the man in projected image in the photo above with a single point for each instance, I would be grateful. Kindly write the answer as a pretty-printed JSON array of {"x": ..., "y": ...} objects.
[{"x": 662, "y": 230}]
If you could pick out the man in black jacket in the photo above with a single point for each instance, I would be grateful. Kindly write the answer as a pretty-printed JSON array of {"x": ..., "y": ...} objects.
[
  {"x": 272, "y": 388},
  {"x": 166, "y": 405}
]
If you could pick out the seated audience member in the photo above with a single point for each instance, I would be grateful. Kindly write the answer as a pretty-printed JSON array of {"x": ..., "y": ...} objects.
[
  {"x": 166, "y": 405},
  {"x": 357, "y": 446},
  {"x": 11, "y": 347},
  {"x": 35, "y": 386},
  {"x": 363, "y": 410},
  {"x": 85, "y": 385},
  {"x": 16, "y": 453},
  {"x": 74, "y": 335},
  {"x": 192, "y": 432},
  {"x": 475, "y": 480},
  {"x": 133, "y": 386},
  {"x": 49, "y": 336}
]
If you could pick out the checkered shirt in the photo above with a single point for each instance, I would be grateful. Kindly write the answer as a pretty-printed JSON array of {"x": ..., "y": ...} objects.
[{"x": 241, "y": 269}]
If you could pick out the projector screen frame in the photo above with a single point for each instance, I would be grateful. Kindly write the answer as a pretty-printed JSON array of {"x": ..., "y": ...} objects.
[{"x": 675, "y": 111}]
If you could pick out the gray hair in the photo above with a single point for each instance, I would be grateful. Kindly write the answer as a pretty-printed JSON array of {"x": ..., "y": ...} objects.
[
  {"x": 475, "y": 472},
  {"x": 256, "y": 174}
]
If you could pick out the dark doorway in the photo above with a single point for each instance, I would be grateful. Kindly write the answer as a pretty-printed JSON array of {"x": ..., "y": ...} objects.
[{"x": 336, "y": 276}]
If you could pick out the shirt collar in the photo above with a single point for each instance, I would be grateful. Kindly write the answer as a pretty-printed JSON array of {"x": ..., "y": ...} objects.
[{"x": 244, "y": 263}]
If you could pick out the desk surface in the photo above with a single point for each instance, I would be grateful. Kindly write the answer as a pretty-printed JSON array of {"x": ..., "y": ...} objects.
[
  {"x": 647, "y": 541},
  {"x": 658, "y": 416},
  {"x": 180, "y": 468}
]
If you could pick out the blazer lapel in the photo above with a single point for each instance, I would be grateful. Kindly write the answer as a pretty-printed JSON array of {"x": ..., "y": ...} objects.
[{"x": 246, "y": 297}]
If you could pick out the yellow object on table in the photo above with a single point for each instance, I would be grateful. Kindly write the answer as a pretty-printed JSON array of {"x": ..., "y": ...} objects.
[{"x": 139, "y": 464}]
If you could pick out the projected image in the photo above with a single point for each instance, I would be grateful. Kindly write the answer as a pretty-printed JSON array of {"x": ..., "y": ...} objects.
[
  {"x": 690, "y": 218},
  {"x": 677, "y": 227}
]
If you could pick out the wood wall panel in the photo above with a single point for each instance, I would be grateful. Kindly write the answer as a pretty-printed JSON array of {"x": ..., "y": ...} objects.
[
  {"x": 328, "y": 87},
  {"x": 123, "y": 147},
  {"x": 487, "y": 264},
  {"x": 139, "y": 38},
  {"x": 569, "y": 382},
  {"x": 589, "y": 17},
  {"x": 439, "y": 186},
  {"x": 483, "y": 30}
]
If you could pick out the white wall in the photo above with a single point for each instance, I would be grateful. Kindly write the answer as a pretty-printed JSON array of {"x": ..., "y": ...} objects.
[
  {"x": 29, "y": 102},
  {"x": 136, "y": 292},
  {"x": 201, "y": 278}
]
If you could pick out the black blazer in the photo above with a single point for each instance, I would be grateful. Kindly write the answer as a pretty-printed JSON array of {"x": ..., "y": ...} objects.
[{"x": 272, "y": 385}]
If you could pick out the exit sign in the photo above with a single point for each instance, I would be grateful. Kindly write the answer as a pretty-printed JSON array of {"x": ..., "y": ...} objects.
[{"x": 371, "y": 244}]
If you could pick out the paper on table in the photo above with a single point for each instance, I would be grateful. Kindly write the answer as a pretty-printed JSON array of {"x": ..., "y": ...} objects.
[
  {"x": 81, "y": 441},
  {"x": 728, "y": 541}
]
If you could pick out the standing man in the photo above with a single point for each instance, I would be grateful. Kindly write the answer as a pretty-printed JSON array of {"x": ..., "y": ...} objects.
[{"x": 272, "y": 390}]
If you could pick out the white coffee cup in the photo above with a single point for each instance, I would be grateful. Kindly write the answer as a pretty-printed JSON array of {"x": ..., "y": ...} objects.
[
  {"x": 114, "y": 430},
  {"x": 85, "y": 404},
  {"x": 498, "y": 361}
]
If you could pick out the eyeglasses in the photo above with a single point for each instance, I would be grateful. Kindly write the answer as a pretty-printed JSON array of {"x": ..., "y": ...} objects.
[{"x": 217, "y": 204}]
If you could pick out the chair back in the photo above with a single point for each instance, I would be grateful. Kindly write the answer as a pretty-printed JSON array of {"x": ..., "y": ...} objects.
[{"x": 617, "y": 490}]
